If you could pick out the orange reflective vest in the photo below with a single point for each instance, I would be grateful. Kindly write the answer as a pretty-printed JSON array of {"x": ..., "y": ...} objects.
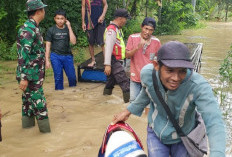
[{"x": 119, "y": 50}]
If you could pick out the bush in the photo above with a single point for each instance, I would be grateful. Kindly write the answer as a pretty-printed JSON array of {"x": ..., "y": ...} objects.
[
  {"x": 79, "y": 55},
  {"x": 3, "y": 49},
  {"x": 224, "y": 90},
  {"x": 8, "y": 53},
  {"x": 13, "y": 52},
  {"x": 132, "y": 26},
  {"x": 9, "y": 22},
  {"x": 188, "y": 16},
  {"x": 22, "y": 17},
  {"x": 3, "y": 13},
  {"x": 175, "y": 16},
  {"x": 225, "y": 70}
]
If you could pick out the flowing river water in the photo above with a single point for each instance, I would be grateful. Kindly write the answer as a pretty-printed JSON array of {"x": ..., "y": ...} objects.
[{"x": 216, "y": 39}]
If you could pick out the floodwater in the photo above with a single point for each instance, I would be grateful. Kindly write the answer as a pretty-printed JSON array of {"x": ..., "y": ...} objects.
[
  {"x": 216, "y": 39},
  {"x": 80, "y": 115}
]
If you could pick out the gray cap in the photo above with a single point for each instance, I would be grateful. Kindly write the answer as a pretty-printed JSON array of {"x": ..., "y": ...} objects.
[{"x": 175, "y": 54}]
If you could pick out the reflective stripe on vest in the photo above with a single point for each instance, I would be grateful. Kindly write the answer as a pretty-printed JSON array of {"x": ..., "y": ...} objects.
[{"x": 119, "y": 50}]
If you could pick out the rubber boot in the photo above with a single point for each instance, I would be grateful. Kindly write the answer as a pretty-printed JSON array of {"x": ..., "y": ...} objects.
[
  {"x": 28, "y": 122},
  {"x": 126, "y": 97},
  {"x": 107, "y": 91},
  {"x": 44, "y": 126}
]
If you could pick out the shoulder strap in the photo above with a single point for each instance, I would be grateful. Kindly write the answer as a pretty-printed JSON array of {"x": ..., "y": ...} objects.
[
  {"x": 114, "y": 25},
  {"x": 119, "y": 30},
  {"x": 167, "y": 109}
]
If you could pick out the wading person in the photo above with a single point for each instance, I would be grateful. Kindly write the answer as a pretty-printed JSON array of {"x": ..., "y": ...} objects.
[
  {"x": 185, "y": 93},
  {"x": 93, "y": 15},
  {"x": 58, "y": 39},
  {"x": 31, "y": 68},
  {"x": 114, "y": 53},
  {"x": 141, "y": 48}
]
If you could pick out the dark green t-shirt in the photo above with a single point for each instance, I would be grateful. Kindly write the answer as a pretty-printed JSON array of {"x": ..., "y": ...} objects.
[{"x": 59, "y": 39}]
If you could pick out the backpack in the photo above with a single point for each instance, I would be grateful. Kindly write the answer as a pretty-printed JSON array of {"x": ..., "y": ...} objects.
[{"x": 118, "y": 142}]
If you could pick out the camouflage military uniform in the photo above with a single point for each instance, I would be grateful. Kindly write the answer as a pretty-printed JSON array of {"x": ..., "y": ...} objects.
[{"x": 31, "y": 67}]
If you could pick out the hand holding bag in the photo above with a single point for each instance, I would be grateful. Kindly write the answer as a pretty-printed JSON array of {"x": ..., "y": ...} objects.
[
  {"x": 123, "y": 149},
  {"x": 196, "y": 141}
]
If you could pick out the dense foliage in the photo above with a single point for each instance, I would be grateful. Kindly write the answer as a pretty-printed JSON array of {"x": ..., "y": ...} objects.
[
  {"x": 225, "y": 70},
  {"x": 224, "y": 90},
  {"x": 175, "y": 17},
  {"x": 171, "y": 18}
]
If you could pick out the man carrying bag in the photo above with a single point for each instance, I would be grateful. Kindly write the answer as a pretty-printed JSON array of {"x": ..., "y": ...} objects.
[
  {"x": 196, "y": 141},
  {"x": 186, "y": 93}
]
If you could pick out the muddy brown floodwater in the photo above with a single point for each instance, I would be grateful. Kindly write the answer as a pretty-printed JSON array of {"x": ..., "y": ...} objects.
[{"x": 80, "y": 115}]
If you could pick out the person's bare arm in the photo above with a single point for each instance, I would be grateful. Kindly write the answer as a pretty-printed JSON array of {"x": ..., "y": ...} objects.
[
  {"x": 131, "y": 53},
  {"x": 105, "y": 7},
  {"x": 123, "y": 116},
  {"x": 72, "y": 36},
  {"x": 47, "y": 55},
  {"x": 83, "y": 15}
]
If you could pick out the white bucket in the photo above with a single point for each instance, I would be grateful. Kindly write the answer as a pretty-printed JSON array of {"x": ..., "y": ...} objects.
[{"x": 122, "y": 144}]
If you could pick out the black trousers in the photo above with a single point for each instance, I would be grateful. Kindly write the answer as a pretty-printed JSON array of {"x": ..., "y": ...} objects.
[{"x": 117, "y": 76}]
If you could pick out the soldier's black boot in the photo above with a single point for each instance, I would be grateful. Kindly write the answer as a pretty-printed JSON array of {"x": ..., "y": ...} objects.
[
  {"x": 107, "y": 91},
  {"x": 44, "y": 126},
  {"x": 126, "y": 97},
  {"x": 28, "y": 122}
]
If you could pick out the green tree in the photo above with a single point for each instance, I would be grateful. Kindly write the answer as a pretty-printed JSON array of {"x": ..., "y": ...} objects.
[
  {"x": 175, "y": 16},
  {"x": 224, "y": 90},
  {"x": 228, "y": 4},
  {"x": 8, "y": 23}
]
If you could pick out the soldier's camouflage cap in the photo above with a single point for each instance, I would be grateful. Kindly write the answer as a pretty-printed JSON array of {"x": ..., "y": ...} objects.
[{"x": 34, "y": 5}]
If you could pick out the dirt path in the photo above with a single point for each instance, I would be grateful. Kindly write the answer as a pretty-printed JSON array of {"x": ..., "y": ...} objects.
[{"x": 78, "y": 117}]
